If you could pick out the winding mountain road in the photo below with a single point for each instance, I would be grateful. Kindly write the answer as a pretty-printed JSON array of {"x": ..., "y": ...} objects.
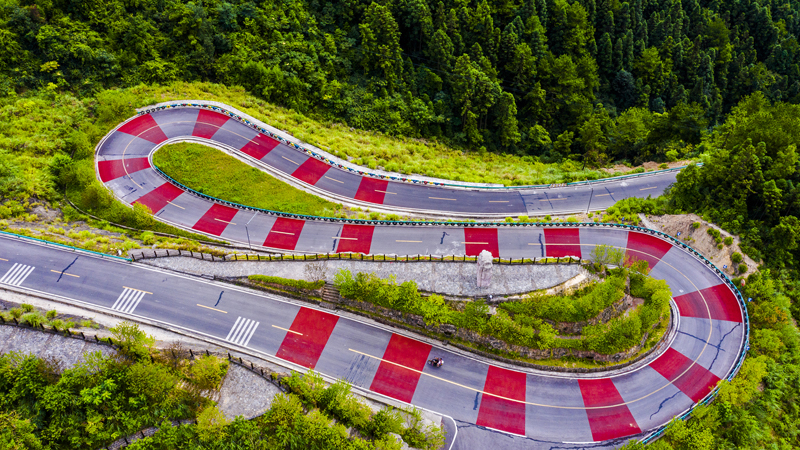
[{"x": 494, "y": 405}]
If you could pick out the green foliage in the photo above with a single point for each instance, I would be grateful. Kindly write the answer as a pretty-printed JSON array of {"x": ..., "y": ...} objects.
[
  {"x": 87, "y": 406},
  {"x": 17, "y": 434},
  {"x": 133, "y": 342},
  {"x": 219, "y": 175},
  {"x": 607, "y": 255},
  {"x": 521, "y": 323},
  {"x": 577, "y": 307},
  {"x": 335, "y": 401},
  {"x": 207, "y": 372},
  {"x": 736, "y": 257},
  {"x": 289, "y": 282}
]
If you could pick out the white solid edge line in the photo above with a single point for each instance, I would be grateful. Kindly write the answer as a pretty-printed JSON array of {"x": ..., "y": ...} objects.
[{"x": 289, "y": 302}]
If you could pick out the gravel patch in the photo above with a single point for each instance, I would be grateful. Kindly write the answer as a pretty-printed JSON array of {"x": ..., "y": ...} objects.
[
  {"x": 453, "y": 278},
  {"x": 244, "y": 393},
  {"x": 69, "y": 352}
]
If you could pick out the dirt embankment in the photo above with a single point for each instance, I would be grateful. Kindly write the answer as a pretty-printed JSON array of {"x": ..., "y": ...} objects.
[{"x": 694, "y": 231}]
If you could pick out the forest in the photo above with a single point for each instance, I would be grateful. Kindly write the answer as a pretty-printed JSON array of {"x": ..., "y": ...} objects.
[{"x": 590, "y": 80}]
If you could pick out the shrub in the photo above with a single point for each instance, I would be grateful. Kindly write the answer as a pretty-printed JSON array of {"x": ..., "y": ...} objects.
[
  {"x": 728, "y": 240},
  {"x": 736, "y": 257},
  {"x": 696, "y": 225},
  {"x": 608, "y": 255},
  {"x": 15, "y": 313},
  {"x": 742, "y": 268},
  {"x": 51, "y": 314},
  {"x": 26, "y": 307},
  {"x": 133, "y": 342},
  {"x": 207, "y": 372},
  {"x": 34, "y": 319},
  {"x": 297, "y": 284}
]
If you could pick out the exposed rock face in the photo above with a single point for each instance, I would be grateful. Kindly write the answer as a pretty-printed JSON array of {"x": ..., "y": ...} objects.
[{"x": 484, "y": 269}]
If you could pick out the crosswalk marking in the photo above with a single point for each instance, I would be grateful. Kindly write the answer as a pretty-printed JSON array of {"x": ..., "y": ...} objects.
[
  {"x": 128, "y": 300},
  {"x": 17, "y": 274},
  {"x": 242, "y": 331}
]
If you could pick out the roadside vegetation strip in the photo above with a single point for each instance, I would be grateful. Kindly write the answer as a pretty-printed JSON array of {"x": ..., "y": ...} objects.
[
  {"x": 212, "y": 172},
  {"x": 528, "y": 327}
]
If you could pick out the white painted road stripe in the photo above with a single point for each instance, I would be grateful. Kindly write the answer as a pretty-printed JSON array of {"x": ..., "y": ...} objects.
[
  {"x": 17, "y": 274},
  {"x": 128, "y": 300},
  {"x": 242, "y": 331}
]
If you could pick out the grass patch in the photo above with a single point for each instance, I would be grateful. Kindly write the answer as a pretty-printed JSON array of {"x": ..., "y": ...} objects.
[{"x": 220, "y": 175}]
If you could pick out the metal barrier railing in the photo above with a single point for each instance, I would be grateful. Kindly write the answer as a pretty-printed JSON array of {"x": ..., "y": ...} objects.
[
  {"x": 361, "y": 172},
  {"x": 65, "y": 246}
]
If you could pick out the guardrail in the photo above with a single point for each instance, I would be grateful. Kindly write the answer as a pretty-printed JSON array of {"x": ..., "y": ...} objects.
[
  {"x": 349, "y": 256},
  {"x": 65, "y": 246},
  {"x": 358, "y": 171}
]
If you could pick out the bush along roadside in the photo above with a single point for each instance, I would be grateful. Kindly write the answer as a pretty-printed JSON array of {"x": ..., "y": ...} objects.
[{"x": 525, "y": 330}]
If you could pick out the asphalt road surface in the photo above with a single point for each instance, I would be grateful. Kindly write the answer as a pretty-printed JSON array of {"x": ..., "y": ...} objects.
[
  {"x": 123, "y": 162},
  {"x": 523, "y": 409},
  {"x": 493, "y": 406}
]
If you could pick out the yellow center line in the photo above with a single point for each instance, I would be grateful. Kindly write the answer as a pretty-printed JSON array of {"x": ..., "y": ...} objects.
[
  {"x": 286, "y": 329},
  {"x": 478, "y": 243},
  {"x": 440, "y": 198},
  {"x": 651, "y": 187},
  {"x": 282, "y": 232},
  {"x": 65, "y": 273},
  {"x": 386, "y": 192},
  {"x": 225, "y": 221},
  {"x": 173, "y": 204},
  {"x": 346, "y": 238},
  {"x": 334, "y": 179},
  {"x": 3, "y": 259},
  {"x": 398, "y": 240},
  {"x": 602, "y": 195},
  {"x": 551, "y": 199},
  {"x": 535, "y": 243},
  {"x": 498, "y": 201},
  {"x": 290, "y": 160},
  {"x": 134, "y": 289},
  {"x": 213, "y": 309}
]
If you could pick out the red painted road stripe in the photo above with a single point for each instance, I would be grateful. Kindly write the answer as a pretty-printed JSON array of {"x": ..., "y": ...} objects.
[
  {"x": 260, "y": 146},
  {"x": 606, "y": 423},
  {"x": 355, "y": 239},
  {"x": 144, "y": 127},
  {"x": 562, "y": 242},
  {"x": 111, "y": 170},
  {"x": 369, "y": 190},
  {"x": 396, "y": 381},
  {"x": 721, "y": 302},
  {"x": 284, "y": 233},
  {"x": 208, "y": 122},
  {"x": 503, "y": 413},
  {"x": 696, "y": 383},
  {"x": 650, "y": 248},
  {"x": 315, "y": 328},
  {"x": 311, "y": 171},
  {"x": 159, "y": 197},
  {"x": 478, "y": 239},
  {"x": 215, "y": 219}
]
